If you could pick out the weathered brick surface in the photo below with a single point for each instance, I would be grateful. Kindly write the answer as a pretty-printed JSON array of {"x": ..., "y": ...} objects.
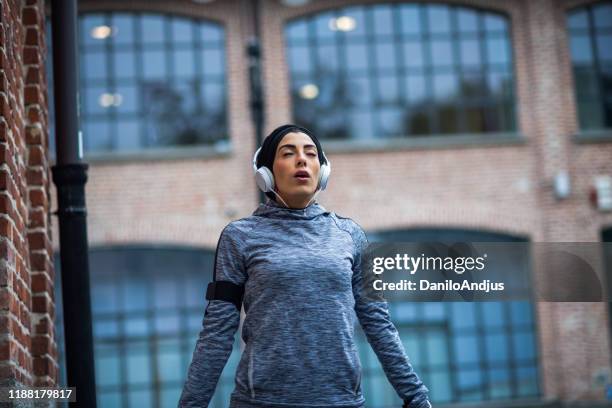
[
  {"x": 25, "y": 236},
  {"x": 507, "y": 189}
]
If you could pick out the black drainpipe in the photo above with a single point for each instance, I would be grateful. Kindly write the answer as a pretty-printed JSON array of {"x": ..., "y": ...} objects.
[
  {"x": 257, "y": 104},
  {"x": 70, "y": 176}
]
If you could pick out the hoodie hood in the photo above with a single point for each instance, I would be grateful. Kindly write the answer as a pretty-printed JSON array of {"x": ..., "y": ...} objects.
[{"x": 272, "y": 209}]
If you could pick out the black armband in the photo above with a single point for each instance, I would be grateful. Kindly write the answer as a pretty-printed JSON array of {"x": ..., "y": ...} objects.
[{"x": 225, "y": 290}]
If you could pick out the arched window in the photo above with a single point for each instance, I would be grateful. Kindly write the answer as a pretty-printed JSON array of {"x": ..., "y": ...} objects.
[
  {"x": 463, "y": 351},
  {"x": 147, "y": 309},
  {"x": 396, "y": 70},
  {"x": 151, "y": 80},
  {"x": 590, "y": 36}
]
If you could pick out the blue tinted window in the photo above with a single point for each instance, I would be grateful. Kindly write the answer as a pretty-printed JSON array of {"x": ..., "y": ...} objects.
[
  {"x": 590, "y": 44},
  {"x": 426, "y": 50}
]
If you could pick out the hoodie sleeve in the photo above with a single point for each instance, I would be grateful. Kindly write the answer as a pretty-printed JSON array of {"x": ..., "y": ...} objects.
[
  {"x": 221, "y": 320},
  {"x": 383, "y": 337}
]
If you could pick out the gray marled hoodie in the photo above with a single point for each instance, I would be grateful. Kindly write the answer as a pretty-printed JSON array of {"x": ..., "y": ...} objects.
[{"x": 301, "y": 270}]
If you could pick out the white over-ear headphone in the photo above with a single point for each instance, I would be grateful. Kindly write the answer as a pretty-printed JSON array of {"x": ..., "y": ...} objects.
[{"x": 265, "y": 179}]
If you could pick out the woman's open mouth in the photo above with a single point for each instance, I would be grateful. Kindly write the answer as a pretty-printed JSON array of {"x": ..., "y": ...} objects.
[{"x": 302, "y": 176}]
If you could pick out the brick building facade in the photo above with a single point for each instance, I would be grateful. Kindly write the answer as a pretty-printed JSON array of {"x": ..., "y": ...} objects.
[
  {"x": 28, "y": 349},
  {"x": 184, "y": 197}
]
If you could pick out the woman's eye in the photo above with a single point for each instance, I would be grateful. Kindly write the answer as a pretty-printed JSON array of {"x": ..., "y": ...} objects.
[
  {"x": 287, "y": 154},
  {"x": 311, "y": 154}
]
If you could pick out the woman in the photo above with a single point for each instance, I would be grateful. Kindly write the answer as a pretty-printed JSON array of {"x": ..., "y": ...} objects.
[{"x": 296, "y": 267}]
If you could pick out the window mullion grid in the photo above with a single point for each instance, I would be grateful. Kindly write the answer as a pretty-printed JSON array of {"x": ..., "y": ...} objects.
[
  {"x": 138, "y": 51},
  {"x": 485, "y": 99},
  {"x": 313, "y": 77},
  {"x": 110, "y": 88},
  {"x": 596, "y": 64},
  {"x": 372, "y": 73},
  {"x": 428, "y": 68},
  {"x": 152, "y": 338},
  {"x": 454, "y": 39},
  {"x": 340, "y": 46},
  {"x": 482, "y": 347},
  {"x": 121, "y": 341},
  {"x": 451, "y": 364},
  {"x": 511, "y": 360},
  {"x": 400, "y": 69},
  {"x": 199, "y": 69}
]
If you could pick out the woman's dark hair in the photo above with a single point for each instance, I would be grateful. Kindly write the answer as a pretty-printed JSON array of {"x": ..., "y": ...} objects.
[{"x": 268, "y": 148}]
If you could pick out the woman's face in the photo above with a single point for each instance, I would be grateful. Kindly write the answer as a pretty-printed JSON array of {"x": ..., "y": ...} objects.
[{"x": 296, "y": 168}]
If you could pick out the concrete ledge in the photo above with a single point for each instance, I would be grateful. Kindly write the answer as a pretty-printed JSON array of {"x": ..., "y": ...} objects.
[
  {"x": 220, "y": 150},
  {"x": 594, "y": 136},
  {"x": 450, "y": 141}
]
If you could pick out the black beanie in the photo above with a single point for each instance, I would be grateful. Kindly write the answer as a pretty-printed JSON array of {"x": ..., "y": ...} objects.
[{"x": 268, "y": 148}]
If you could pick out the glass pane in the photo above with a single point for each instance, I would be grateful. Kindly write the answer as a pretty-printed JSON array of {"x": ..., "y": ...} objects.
[
  {"x": 466, "y": 348},
  {"x": 469, "y": 382},
  {"x": 416, "y": 88},
  {"x": 602, "y": 14},
  {"x": 383, "y": 20},
  {"x": 109, "y": 399},
  {"x": 388, "y": 90},
  {"x": 296, "y": 30},
  {"x": 445, "y": 86},
  {"x": 124, "y": 64},
  {"x": 89, "y": 34},
  {"x": 357, "y": 14},
  {"x": 437, "y": 349},
  {"x": 182, "y": 31},
  {"x": 128, "y": 134},
  {"x": 604, "y": 47},
  {"x": 390, "y": 121},
  {"x": 97, "y": 135},
  {"x": 474, "y": 118},
  {"x": 126, "y": 99},
  {"x": 463, "y": 315},
  {"x": 385, "y": 55},
  {"x": 448, "y": 118},
  {"x": 299, "y": 60},
  {"x": 498, "y": 51},
  {"x": 438, "y": 18},
  {"x": 521, "y": 312},
  {"x": 413, "y": 54},
  {"x": 495, "y": 23},
  {"x": 418, "y": 121},
  {"x": 184, "y": 61},
  {"x": 441, "y": 53},
  {"x": 154, "y": 64},
  {"x": 152, "y": 27},
  {"x": 122, "y": 28},
  {"x": 359, "y": 91},
  {"x": 136, "y": 326},
  {"x": 169, "y": 366},
  {"x": 213, "y": 62},
  {"x": 580, "y": 46},
  {"x": 524, "y": 347},
  {"x": 590, "y": 113},
  {"x": 323, "y": 23},
  {"x": 411, "y": 19},
  {"x": 578, "y": 20},
  {"x": 586, "y": 83},
  {"x": 497, "y": 348},
  {"x": 467, "y": 20},
  {"x": 134, "y": 295},
  {"x": 470, "y": 52},
  {"x": 141, "y": 398},
  {"x": 527, "y": 381},
  {"x": 328, "y": 58},
  {"x": 493, "y": 314},
  {"x": 440, "y": 386},
  {"x": 95, "y": 65},
  {"x": 500, "y": 383},
  {"x": 210, "y": 34},
  {"x": 138, "y": 367},
  {"x": 104, "y": 297},
  {"x": 361, "y": 124},
  {"x": 356, "y": 57}
]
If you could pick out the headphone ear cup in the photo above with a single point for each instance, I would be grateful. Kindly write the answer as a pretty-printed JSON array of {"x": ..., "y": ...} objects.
[
  {"x": 264, "y": 179},
  {"x": 324, "y": 176}
]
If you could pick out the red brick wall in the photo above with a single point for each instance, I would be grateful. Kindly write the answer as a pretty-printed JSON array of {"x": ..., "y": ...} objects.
[
  {"x": 500, "y": 188},
  {"x": 27, "y": 346}
]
